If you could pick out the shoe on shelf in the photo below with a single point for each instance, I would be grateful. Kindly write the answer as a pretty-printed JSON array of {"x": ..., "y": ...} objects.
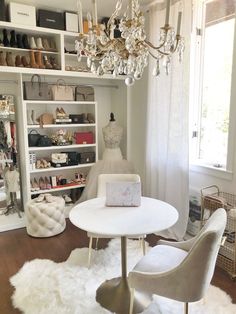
[
  {"x": 35, "y": 185},
  {"x": 90, "y": 117},
  {"x": 13, "y": 42},
  {"x": 32, "y": 43},
  {"x": 63, "y": 113},
  {"x": 85, "y": 120},
  {"x": 40, "y": 198},
  {"x": 19, "y": 41},
  {"x": 39, "y": 43},
  {"x": 47, "y": 183},
  {"x": 33, "y": 116},
  {"x": 2, "y": 59},
  {"x": 47, "y": 63},
  {"x": 9, "y": 59},
  {"x": 25, "y": 42},
  {"x": 45, "y": 44},
  {"x": 29, "y": 117},
  {"x": 33, "y": 63},
  {"x": 5, "y": 40},
  {"x": 54, "y": 64},
  {"x": 42, "y": 184},
  {"x": 39, "y": 61},
  {"x": 18, "y": 62},
  {"x": 25, "y": 62},
  {"x": 52, "y": 45}
]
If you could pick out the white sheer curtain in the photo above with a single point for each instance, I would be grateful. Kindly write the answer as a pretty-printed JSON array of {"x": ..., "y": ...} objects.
[{"x": 166, "y": 173}]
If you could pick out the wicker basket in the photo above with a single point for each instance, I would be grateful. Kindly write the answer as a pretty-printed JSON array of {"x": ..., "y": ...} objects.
[{"x": 211, "y": 199}]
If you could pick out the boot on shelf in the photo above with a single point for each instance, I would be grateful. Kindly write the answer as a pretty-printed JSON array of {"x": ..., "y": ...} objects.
[
  {"x": 47, "y": 63},
  {"x": 39, "y": 43},
  {"x": 2, "y": 59},
  {"x": 52, "y": 45},
  {"x": 9, "y": 59},
  {"x": 25, "y": 62},
  {"x": 33, "y": 64},
  {"x": 32, "y": 43},
  {"x": 25, "y": 41},
  {"x": 46, "y": 44},
  {"x": 19, "y": 41},
  {"x": 18, "y": 62},
  {"x": 13, "y": 42},
  {"x": 39, "y": 61},
  {"x": 29, "y": 117},
  {"x": 5, "y": 40},
  {"x": 33, "y": 117}
]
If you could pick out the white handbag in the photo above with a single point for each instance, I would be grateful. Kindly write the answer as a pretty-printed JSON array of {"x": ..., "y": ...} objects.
[
  {"x": 60, "y": 158},
  {"x": 61, "y": 91}
]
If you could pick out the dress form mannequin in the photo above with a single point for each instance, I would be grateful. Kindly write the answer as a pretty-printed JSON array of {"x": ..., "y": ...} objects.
[
  {"x": 12, "y": 179},
  {"x": 112, "y": 160}
]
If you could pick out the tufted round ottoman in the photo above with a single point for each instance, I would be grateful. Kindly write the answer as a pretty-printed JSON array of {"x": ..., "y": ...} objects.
[{"x": 45, "y": 219}]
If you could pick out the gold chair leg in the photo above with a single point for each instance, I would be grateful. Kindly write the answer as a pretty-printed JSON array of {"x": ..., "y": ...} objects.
[
  {"x": 143, "y": 246},
  {"x": 131, "y": 305},
  {"x": 90, "y": 250},
  {"x": 186, "y": 308}
]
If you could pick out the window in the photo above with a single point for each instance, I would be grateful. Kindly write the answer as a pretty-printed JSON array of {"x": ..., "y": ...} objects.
[{"x": 212, "y": 63}]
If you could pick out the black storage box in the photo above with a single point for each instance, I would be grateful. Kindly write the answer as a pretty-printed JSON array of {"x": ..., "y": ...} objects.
[
  {"x": 86, "y": 157},
  {"x": 2, "y": 10},
  {"x": 51, "y": 19},
  {"x": 73, "y": 158}
]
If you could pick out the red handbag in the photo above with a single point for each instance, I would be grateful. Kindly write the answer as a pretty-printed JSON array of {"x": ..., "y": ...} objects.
[{"x": 84, "y": 137}]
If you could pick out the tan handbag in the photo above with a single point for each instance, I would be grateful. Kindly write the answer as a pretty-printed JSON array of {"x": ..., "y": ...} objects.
[
  {"x": 61, "y": 91},
  {"x": 45, "y": 118},
  {"x": 84, "y": 93}
]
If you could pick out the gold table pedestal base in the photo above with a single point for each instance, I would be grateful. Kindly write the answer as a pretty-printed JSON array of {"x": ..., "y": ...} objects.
[{"x": 114, "y": 295}]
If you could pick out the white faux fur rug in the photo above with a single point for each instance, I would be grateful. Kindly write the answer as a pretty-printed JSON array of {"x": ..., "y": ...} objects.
[{"x": 43, "y": 287}]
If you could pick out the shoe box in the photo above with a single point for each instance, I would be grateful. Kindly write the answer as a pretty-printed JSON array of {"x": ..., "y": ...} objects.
[
  {"x": 2, "y": 11},
  {"x": 22, "y": 14},
  {"x": 51, "y": 19}
]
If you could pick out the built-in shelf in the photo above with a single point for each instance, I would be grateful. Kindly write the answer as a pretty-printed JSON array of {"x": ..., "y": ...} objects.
[
  {"x": 60, "y": 102},
  {"x": 61, "y": 168},
  {"x": 62, "y": 147},
  {"x": 62, "y": 188},
  {"x": 58, "y": 126},
  {"x": 27, "y": 50}
]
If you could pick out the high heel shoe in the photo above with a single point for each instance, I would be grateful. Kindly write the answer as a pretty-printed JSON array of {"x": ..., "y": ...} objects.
[
  {"x": 47, "y": 63},
  {"x": 33, "y": 116},
  {"x": 47, "y": 183},
  {"x": 5, "y": 38},
  {"x": 42, "y": 184},
  {"x": 2, "y": 59},
  {"x": 38, "y": 57},
  {"x": 29, "y": 117},
  {"x": 54, "y": 64},
  {"x": 13, "y": 42},
  {"x": 33, "y": 64},
  {"x": 35, "y": 185},
  {"x": 9, "y": 59}
]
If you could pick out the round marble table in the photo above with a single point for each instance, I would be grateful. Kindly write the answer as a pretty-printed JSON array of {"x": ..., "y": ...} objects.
[{"x": 94, "y": 216}]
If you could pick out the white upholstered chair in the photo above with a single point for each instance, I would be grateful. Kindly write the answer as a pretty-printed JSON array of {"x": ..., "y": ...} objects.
[
  {"x": 181, "y": 271},
  {"x": 101, "y": 192}
]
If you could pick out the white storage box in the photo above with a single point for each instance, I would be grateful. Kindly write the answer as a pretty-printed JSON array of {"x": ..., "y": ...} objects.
[
  {"x": 22, "y": 14},
  {"x": 72, "y": 22}
]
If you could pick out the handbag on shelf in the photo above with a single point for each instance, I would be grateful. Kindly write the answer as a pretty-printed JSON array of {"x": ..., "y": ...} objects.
[
  {"x": 84, "y": 137},
  {"x": 59, "y": 159},
  {"x": 36, "y": 90},
  {"x": 73, "y": 158},
  {"x": 86, "y": 157},
  {"x": 44, "y": 141},
  {"x": 33, "y": 138},
  {"x": 45, "y": 118},
  {"x": 61, "y": 91},
  {"x": 84, "y": 93}
]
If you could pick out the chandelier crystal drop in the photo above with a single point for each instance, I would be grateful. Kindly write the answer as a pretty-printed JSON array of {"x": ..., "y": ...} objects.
[{"x": 129, "y": 53}]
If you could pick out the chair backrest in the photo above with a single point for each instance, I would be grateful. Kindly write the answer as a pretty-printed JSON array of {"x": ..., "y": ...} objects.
[
  {"x": 199, "y": 264},
  {"x": 104, "y": 178}
]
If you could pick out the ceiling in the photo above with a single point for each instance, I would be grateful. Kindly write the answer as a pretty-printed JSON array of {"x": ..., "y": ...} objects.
[{"x": 105, "y": 7}]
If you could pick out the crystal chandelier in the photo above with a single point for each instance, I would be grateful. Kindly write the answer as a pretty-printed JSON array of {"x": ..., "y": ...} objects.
[{"x": 127, "y": 54}]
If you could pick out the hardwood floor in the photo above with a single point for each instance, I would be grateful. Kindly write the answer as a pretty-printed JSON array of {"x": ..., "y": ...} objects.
[{"x": 17, "y": 247}]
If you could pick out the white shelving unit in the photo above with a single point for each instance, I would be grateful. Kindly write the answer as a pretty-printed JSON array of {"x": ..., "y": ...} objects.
[{"x": 110, "y": 94}]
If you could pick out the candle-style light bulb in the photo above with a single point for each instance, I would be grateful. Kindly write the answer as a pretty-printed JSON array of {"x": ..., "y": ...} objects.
[
  {"x": 179, "y": 23},
  {"x": 167, "y": 12},
  {"x": 80, "y": 13},
  {"x": 95, "y": 13}
]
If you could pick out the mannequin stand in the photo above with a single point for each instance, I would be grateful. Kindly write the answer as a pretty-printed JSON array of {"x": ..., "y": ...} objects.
[{"x": 13, "y": 206}]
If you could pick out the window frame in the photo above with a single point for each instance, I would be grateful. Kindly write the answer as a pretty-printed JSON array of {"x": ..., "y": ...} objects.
[{"x": 196, "y": 94}]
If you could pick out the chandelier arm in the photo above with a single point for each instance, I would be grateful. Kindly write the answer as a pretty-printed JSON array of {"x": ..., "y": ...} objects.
[{"x": 149, "y": 44}]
